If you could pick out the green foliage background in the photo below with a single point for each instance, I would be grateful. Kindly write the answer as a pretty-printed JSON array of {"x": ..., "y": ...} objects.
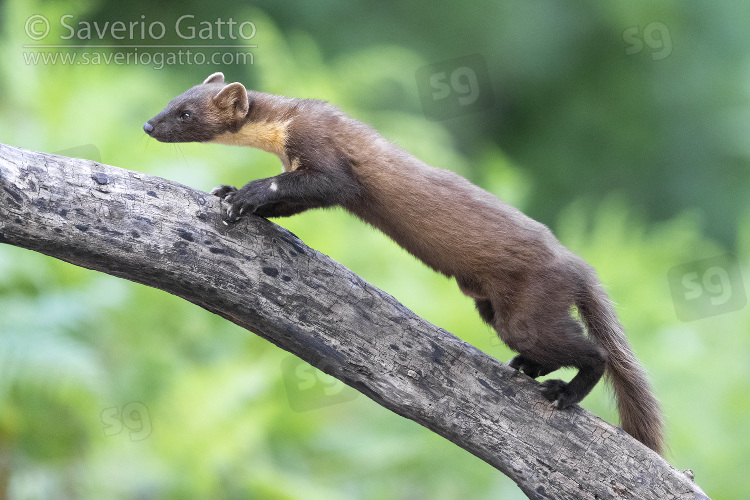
[{"x": 638, "y": 162}]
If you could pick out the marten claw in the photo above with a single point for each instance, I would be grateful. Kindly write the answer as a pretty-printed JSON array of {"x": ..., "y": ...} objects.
[
  {"x": 228, "y": 193},
  {"x": 238, "y": 208},
  {"x": 235, "y": 211}
]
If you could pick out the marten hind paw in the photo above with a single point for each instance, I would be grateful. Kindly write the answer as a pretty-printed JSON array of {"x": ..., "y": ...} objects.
[
  {"x": 553, "y": 390},
  {"x": 529, "y": 367}
]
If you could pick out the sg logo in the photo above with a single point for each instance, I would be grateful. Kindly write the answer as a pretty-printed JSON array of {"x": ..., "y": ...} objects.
[
  {"x": 308, "y": 388},
  {"x": 655, "y": 36},
  {"x": 455, "y": 87},
  {"x": 463, "y": 81},
  {"x": 134, "y": 417},
  {"x": 707, "y": 287}
]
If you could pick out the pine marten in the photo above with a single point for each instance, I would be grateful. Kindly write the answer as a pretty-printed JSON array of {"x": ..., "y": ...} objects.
[{"x": 524, "y": 281}]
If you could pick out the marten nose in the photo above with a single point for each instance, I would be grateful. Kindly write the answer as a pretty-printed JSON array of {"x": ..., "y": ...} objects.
[{"x": 148, "y": 128}]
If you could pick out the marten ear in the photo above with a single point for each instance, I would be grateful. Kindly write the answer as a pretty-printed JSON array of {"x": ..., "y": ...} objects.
[
  {"x": 233, "y": 98},
  {"x": 215, "y": 78}
]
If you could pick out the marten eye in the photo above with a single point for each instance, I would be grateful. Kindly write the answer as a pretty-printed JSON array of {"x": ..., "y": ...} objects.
[{"x": 184, "y": 115}]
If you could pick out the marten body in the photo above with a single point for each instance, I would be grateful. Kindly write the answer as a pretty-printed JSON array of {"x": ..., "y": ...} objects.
[{"x": 524, "y": 282}]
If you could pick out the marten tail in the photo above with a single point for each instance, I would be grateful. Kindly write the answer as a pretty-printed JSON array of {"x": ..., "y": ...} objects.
[{"x": 640, "y": 415}]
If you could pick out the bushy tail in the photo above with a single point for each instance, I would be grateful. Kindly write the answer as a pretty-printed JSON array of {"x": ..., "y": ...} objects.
[{"x": 640, "y": 415}]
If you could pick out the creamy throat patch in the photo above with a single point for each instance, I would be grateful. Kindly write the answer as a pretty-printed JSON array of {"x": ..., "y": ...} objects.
[{"x": 268, "y": 136}]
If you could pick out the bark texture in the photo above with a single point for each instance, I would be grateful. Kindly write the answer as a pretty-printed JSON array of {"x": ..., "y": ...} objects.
[{"x": 163, "y": 234}]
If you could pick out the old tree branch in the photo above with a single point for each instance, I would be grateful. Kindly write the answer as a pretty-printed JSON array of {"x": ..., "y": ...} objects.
[{"x": 261, "y": 277}]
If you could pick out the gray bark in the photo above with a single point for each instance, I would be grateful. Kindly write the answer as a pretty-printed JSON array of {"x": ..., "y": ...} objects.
[{"x": 261, "y": 277}]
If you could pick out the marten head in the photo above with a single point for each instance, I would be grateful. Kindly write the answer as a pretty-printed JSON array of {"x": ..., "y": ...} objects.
[{"x": 202, "y": 113}]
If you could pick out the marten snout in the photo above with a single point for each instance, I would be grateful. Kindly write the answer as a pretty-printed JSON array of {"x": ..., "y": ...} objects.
[{"x": 148, "y": 128}]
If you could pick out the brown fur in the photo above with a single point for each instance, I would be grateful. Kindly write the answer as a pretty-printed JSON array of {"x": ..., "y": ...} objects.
[{"x": 523, "y": 280}]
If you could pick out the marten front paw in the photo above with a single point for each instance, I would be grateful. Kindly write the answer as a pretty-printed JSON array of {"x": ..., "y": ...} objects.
[
  {"x": 223, "y": 191},
  {"x": 241, "y": 201}
]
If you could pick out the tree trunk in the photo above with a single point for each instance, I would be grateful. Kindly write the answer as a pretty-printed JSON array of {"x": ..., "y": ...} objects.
[{"x": 261, "y": 277}]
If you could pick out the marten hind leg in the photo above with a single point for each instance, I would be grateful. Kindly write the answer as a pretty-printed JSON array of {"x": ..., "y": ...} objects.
[
  {"x": 572, "y": 348},
  {"x": 524, "y": 336},
  {"x": 545, "y": 344},
  {"x": 520, "y": 363}
]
